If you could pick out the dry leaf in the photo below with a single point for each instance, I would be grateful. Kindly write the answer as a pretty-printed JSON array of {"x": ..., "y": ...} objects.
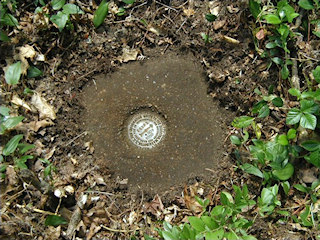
[
  {"x": 36, "y": 125},
  {"x": 190, "y": 200},
  {"x": 19, "y": 102},
  {"x": 12, "y": 175},
  {"x": 128, "y": 54},
  {"x": 27, "y": 51},
  {"x": 261, "y": 34},
  {"x": 93, "y": 230},
  {"x": 45, "y": 110},
  {"x": 49, "y": 154},
  {"x": 89, "y": 146},
  {"x": 230, "y": 40},
  {"x": 132, "y": 217},
  {"x": 53, "y": 232},
  {"x": 188, "y": 12},
  {"x": 155, "y": 207}
]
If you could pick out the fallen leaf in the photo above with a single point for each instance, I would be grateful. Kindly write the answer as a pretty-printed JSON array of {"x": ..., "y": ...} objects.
[
  {"x": 132, "y": 217},
  {"x": 12, "y": 175},
  {"x": 230, "y": 40},
  {"x": 27, "y": 51},
  {"x": 89, "y": 146},
  {"x": 128, "y": 54},
  {"x": 191, "y": 203},
  {"x": 53, "y": 232},
  {"x": 260, "y": 35},
  {"x": 155, "y": 207},
  {"x": 19, "y": 102},
  {"x": 45, "y": 110},
  {"x": 188, "y": 12},
  {"x": 50, "y": 154},
  {"x": 34, "y": 125},
  {"x": 309, "y": 175},
  {"x": 93, "y": 230}
]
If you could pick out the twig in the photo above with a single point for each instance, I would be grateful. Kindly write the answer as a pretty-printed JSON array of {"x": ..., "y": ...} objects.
[
  {"x": 182, "y": 25},
  {"x": 118, "y": 230},
  {"x": 137, "y": 7},
  {"x": 75, "y": 138},
  {"x": 88, "y": 73},
  {"x": 98, "y": 192},
  {"x": 311, "y": 58},
  {"x": 295, "y": 78},
  {"x": 167, "y": 6}
]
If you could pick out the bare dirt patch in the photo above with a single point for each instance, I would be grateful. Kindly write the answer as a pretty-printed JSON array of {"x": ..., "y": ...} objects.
[{"x": 173, "y": 86}]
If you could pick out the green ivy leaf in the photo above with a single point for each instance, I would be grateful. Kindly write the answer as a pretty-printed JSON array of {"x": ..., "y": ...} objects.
[
  {"x": 197, "y": 223},
  {"x": 210, "y": 222},
  {"x": 55, "y": 220},
  {"x": 60, "y": 19},
  {"x": 34, "y": 72},
  {"x": 286, "y": 187},
  {"x": 277, "y": 60},
  {"x": 226, "y": 198},
  {"x": 283, "y": 140},
  {"x": 284, "y": 72},
  {"x": 12, "y": 145},
  {"x": 306, "y": 4},
  {"x": 168, "y": 236},
  {"x": 294, "y": 116},
  {"x": 13, "y": 73},
  {"x": 255, "y": 8},
  {"x": 272, "y": 19},
  {"x": 278, "y": 102},
  {"x": 24, "y": 147},
  {"x": 211, "y": 17},
  {"x": 9, "y": 20},
  {"x": 249, "y": 168},
  {"x": 301, "y": 188},
  {"x": 308, "y": 121},
  {"x": 11, "y": 122},
  {"x": 271, "y": 45},
  {"x": 292, "y": 133},
  {"x": 217, "y": 235},
  {"x": 235, "y": 140},
  {"x": 314, "y": 158},
  {"x": 242, "y": 122},
  {"x": 101, "y": 13},
  {"x": 72, "y": 9},
  {"x": 264, "y": 111},
  {"x": 128, "y": 1},
  {"x": 4, "y": 37},
  {"x": 57, "y": 4},
  {"x": 21, "y": 162},
  {"x": 311, "y": 145},
  {"x": 316, "y": 74},
  {"x": 308, "y": 106},
  {"x": 295, "y": 92},
  {"x": 284, "y": 173},
  {"x": 4, "y": 111}
]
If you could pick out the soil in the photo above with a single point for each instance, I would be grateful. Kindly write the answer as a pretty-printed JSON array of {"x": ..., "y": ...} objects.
[
  {"x": 196, "y": 87},
  {"x": 173, "y": 86}
]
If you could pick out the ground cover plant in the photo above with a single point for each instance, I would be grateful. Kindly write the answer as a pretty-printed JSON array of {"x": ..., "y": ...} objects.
[{"x": 262, "y": 62}]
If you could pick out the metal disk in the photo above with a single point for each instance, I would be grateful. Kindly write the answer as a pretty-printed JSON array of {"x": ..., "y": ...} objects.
[{"x": 146, "y": 129}]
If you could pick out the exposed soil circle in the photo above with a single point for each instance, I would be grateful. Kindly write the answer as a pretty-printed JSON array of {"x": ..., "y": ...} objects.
[
  {"x": 164, "y": 99},
  {"x": 146, "y": 129}
]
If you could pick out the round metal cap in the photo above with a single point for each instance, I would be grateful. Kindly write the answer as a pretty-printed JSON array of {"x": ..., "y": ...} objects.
[{"x": 146, "y": 129}]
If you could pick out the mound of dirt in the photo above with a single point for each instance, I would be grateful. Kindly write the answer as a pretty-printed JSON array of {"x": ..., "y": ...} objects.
[{"x": 172, "y": 86}]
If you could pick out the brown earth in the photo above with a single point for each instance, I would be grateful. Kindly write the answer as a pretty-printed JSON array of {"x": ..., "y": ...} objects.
[{"x": 174, "y": 86}]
